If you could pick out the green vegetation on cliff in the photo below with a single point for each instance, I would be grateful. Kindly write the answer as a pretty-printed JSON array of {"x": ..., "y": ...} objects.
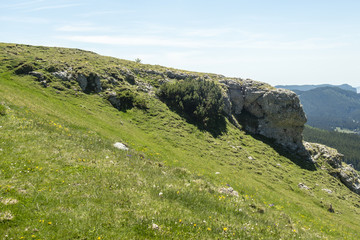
[{"x": 62, "y": 178}]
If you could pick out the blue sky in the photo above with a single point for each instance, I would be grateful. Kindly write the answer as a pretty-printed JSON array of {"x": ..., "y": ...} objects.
[{"x": 277, "y": 41}]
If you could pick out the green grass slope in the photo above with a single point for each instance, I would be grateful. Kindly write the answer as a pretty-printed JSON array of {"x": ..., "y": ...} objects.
[{"x": 61, "y": 177}]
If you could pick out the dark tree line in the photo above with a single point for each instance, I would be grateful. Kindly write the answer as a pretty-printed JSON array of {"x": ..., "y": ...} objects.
[{"x": 345, "y": 143}]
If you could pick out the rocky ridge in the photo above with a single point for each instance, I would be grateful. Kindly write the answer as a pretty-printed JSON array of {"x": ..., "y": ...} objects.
[
  {"x": 329, "y": 159},
  {"x": 258, "y": 107}
]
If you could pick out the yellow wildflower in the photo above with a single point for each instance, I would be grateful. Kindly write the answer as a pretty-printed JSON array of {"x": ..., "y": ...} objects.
[{"x": 225, "y": 229}]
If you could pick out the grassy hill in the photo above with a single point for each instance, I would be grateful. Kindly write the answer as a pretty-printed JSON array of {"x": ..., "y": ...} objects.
[{"x": 62, "y": 178}]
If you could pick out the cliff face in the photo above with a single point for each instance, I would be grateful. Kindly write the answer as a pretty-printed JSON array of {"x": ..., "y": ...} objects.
[{"x": 262, "y": 109}]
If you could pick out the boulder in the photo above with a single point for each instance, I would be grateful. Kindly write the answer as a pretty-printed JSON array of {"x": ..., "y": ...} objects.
[
  {"x": 39, "y": 76},
  {"x": 63, "y": 75}
]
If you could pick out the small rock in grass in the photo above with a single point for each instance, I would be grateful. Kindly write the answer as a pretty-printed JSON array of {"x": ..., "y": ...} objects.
[
  {"x": 303, "y": 186},
  {"x": 217, "y": 173},
  {"x": 250, "y": 158},
  {"x": 120, "y": 146},
  {"x": 155, "y": 226},
  {"x": 9, "y": 201},
  {"x": 229, "y": 191},
  {"x": 327, "y": 190},
  {"x": 160, "y": 194},
  {"x": 6, "y": 216}
]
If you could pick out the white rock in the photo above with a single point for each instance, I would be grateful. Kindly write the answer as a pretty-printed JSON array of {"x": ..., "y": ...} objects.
[
  {"x": 327, "y": 190},
  {"x": 155, "y": 226},
  {"x": 120, "y": 146},
  {"x": 217, "y": 173},
  {"x": 303, "y": 186}
]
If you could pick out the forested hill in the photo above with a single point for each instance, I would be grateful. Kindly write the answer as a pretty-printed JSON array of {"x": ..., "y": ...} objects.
[
  {"x": 331, "y": 107},
  {"x": 347, "y": 144},
  {"x": 310, "y": 87}
]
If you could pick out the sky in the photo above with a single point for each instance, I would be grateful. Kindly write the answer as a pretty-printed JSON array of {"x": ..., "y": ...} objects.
[{"x": 280, "y": 42}]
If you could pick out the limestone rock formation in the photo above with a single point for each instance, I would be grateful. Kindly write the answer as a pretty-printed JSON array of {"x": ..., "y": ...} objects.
[
  {"x": 329, "y": 159},
  {"x": 89, "y": 83},
  {"x": 262, "y": 109}
]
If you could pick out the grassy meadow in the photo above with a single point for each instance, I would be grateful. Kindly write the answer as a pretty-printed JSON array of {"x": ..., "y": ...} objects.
[{"x": 62, "y": 178}]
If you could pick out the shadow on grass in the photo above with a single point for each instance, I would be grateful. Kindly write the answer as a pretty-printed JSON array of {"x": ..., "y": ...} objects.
[
  {"x": 215, "y": 126},
  {"x": 302, "y": 160}
]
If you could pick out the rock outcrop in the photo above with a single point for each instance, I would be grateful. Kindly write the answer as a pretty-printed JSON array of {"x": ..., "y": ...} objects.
[
  {"x": 89, "y": 83},
  {"x": 262, "y": 109},
  {"x": 329, "y": 159}
]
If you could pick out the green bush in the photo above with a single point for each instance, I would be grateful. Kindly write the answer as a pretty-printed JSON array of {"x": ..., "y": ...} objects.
[
  {"x": 127, "y": 99},
  {"x": 25, "y": 68},
  {"x": 199, "y": 99},
  {"x": 2, "y": 110}
]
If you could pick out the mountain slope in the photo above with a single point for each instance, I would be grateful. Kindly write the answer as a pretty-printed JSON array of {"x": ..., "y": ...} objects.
[
  {"x": 347, "y": 144},
  {"x": 62, "y": 178},
  {"x": 329, "y": 107},
  {"x": 346, "y": 87}
]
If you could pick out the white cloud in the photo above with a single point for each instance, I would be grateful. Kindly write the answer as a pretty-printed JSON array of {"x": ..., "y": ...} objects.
[
  {"x": 306, "y": 44},
  {"x": 22, "y": 4},
  {"x": 135, "y": 41},
  {"x": 83, "y": 28},
  {"x": 206, "y": 32},
  {"x": 101, "y": 13},
  {"x": 32, "y": 20},
  {"x": 52, "y": 7}
]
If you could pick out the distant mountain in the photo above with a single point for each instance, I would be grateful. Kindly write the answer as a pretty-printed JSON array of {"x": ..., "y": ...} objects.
[
  {"x": 310, "y": 87},
  {"x": 331, "y": 107},
  {"x": 358, "y": 89}
]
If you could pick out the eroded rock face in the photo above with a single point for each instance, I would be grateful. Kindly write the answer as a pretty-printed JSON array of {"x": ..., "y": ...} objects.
[
  {"x": 89, "y": 83},
  {"x": 262, "y": 109}
]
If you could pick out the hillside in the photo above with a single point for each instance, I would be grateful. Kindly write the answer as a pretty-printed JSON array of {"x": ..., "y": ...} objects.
[
  {"x": 330, "y": 108},
  {"x": 62, "y": 111},
  {"x": 347, "y": 144}
]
